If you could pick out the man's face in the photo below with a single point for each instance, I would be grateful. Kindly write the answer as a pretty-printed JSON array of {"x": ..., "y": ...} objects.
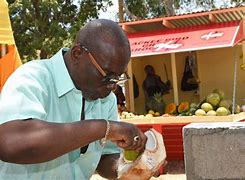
[{"x": 99, "y": 76}]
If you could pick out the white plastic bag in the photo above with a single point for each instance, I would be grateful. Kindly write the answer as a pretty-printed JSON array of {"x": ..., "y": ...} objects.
[{"x": 147, "y": 163}]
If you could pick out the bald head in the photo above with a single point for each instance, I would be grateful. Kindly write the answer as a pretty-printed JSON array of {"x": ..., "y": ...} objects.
[
  {"x": 106, "y": 41},
  {"x": 103, "y": 29}
]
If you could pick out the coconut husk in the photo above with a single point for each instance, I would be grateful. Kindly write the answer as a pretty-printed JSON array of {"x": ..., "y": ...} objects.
[{"x": 149, "y": 162}]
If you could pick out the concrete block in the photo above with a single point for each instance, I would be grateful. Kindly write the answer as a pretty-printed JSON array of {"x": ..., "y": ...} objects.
[{"x": 214, "y": 151}]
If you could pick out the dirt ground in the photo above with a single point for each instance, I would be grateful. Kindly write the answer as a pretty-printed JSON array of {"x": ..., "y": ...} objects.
[{"x": 174, "y": 170}]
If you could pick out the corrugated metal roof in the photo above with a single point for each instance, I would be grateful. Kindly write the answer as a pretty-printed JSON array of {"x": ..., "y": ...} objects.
[{"x": 184, "y": 20}]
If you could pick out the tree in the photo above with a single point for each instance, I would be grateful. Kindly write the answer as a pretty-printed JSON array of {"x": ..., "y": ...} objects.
[
  {"x": 48, "y": 25},
  {"x": 140, "y": 9}
]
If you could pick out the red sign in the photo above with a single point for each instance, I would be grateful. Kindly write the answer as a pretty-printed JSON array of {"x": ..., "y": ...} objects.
[{"x": 185, "y": 39}]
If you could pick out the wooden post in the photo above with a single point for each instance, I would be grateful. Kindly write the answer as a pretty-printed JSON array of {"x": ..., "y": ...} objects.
[
  {"x": 243, "y": 42},
  {"x": 235, "y": 59},
  {"x": 243, "y": 52},
  {"x": 120, "y": 10},
  {"x": 3, "y": 49},
  {"x": 129, "y": 90},
  {"x": 175, "y": 82}
]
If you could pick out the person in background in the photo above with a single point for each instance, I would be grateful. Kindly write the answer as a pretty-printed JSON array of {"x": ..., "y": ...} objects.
[
  {"x": 120, "y": 99},
  {"x": 153, "y": 85},
  {"x": 58, "y": 116}
]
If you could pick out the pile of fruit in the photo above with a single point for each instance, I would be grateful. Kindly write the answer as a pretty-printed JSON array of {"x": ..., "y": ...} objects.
[{"x": 215, "y": 104}]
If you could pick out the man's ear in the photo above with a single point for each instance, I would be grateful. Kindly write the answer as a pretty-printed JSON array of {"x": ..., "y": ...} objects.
[{"x": 76, "y": 52}]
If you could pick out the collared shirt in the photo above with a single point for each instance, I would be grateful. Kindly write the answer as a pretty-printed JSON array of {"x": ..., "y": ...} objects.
[{"x": 43, "y": 89}]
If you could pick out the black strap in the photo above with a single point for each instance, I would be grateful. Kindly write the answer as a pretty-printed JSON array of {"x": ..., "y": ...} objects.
[
  {"x": 83, "y": 110},
  {"x": 84, "y": 148}
]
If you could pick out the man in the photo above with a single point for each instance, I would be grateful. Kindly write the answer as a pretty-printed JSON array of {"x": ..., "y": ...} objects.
[
  {"x": 153, "y": 86},
  {"x": 153, "y": 83},
  {"x": 120, "y": 99},
  {"x": 43, "y": 105}
]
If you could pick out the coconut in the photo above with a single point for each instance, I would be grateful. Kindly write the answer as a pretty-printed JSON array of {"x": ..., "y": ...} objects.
[
  {"x": 213, "y": 99},
  {"x": 220, "y": 93},
  {"x": 200, "y": 112},
  {"x": 206, "y": 107},
  {"x": 221, "y": 111},
  {"x": 225, "y": 103},
  {"x": 211, "y": 113},
  {"x": 130, "y": 155},
  {"x": 146, "y": 164}
]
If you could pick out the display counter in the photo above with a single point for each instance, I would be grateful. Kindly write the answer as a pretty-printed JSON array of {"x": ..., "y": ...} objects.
[{"x": 186, "y": 119}]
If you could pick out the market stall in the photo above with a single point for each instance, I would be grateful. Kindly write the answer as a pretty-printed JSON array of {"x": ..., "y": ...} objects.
[{"x": 215, "y": 38}]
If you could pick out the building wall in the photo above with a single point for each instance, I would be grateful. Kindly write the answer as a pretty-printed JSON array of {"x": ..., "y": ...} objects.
[{"x": 215, "y": 70}]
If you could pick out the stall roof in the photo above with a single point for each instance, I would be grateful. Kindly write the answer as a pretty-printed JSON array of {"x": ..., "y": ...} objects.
[
  {"x": 196, "y": 31},
  {"x": 192, "y": 19},
  {"x": 185, "y": 39}
]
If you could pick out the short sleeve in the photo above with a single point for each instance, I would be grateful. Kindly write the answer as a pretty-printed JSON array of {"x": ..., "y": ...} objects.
[
  {"x": 23, "y": 97},
  {"x": 111, "y": 148}
]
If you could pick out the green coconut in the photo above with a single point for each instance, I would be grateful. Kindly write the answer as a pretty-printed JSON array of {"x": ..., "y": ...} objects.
[
  {"x": 206, "y": 107},
  {"x": 213, "y": 99},
  {"x": 200, "y": 112},
  {"x": 225, "y": 103},
  {"x": 130, "y": 155},
  {"x": 220, "y": 93},
  {"x": 222, "y": 111},
  {"x": 211, "y": 113}
]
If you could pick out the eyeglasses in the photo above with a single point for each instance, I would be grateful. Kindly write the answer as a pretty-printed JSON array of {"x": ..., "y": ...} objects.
[{"x": 108, "y": 78}]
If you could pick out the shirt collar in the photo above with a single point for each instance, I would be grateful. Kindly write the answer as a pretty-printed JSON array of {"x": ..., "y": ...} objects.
[{"x": 63, "y": 81}]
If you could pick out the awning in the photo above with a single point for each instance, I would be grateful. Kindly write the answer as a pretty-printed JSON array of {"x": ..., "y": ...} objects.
[
  {"x": 185, "y": 39},
  {"x": 6, "y": 34},
  {"x": 11, "y": 60}
]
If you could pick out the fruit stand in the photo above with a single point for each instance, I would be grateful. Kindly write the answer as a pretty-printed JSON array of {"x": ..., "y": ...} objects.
[{"x": 217, "y": 40}]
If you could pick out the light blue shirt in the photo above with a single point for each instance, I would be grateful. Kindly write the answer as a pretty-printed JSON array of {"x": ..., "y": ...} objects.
[{"x": 43, "y": 89}]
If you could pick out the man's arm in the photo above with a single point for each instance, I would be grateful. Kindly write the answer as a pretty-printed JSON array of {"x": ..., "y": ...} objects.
[{"x": 35, "y": 141}]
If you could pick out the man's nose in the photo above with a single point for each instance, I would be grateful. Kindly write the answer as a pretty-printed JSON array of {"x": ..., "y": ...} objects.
[{"x": 111, "y": 87}]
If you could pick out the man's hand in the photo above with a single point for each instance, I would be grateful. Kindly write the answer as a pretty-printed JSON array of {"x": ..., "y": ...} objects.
[{"x": 127, "y": 136}]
